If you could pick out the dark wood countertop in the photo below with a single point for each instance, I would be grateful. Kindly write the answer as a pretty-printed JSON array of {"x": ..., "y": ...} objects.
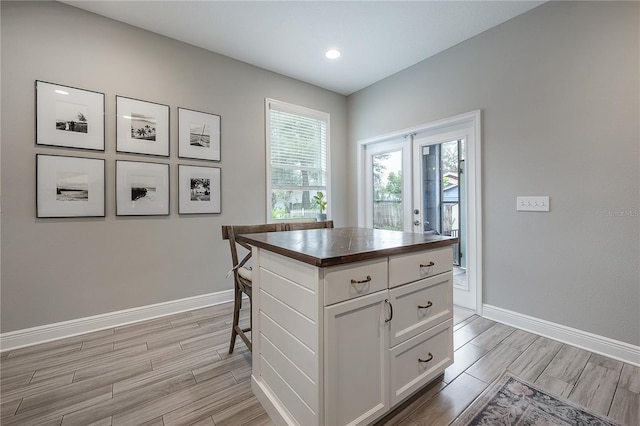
[{"x": 328, "y": 247}]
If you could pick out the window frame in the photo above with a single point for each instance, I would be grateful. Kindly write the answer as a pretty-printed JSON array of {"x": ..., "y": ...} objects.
[{"x": 305, "y": 112}]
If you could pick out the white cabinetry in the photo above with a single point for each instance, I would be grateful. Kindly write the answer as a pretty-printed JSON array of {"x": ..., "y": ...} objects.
[
  {"x": 419, "y": 360},
  {"x": 419, "y": 306},
  {"x": 356, "y": 360},
  {"x": 354, "y": 280},
  {"x": 343, "y": 345},
  {"x": 406, "y": 268}
]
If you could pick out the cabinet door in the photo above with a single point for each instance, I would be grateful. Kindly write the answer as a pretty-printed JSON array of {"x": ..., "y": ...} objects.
[{"x": 356, "y": 360}]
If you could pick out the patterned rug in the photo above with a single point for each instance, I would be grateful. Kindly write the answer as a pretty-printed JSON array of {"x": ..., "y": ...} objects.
[{"x": 512, "y": 401}]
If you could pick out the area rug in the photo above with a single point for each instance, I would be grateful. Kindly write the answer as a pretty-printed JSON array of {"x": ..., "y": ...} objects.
[{"x": 513, "y": 401}]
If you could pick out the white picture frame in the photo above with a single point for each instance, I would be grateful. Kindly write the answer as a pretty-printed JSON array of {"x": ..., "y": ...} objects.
[
  {"x": 69, "y": 117},
  {"x": 198, "y": 135},
  {"x": 142, "y": 127},
  {"x": 199, "y": 189},
  {"x": 142, "y": 188},
  {"x": 69, "y": 186}
]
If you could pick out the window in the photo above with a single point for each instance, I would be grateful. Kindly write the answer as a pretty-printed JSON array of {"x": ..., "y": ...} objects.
[{"x": 297, "y": 166}]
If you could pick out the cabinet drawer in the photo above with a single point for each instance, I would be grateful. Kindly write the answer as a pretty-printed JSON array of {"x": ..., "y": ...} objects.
[
  {"x": 412, "y": 267},
  {"x": 420, "y": 359},
  {"x": 420, "y": 305},
  {"x": 348, "y": 281}
]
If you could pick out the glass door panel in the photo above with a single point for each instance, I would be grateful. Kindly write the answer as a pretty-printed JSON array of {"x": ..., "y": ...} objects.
[
  {"x": 451, "y": 194},
  {"x": 387, "y": 190},
  {"x": 439, "y": 197},
  {"x": 431, "y": 190}
]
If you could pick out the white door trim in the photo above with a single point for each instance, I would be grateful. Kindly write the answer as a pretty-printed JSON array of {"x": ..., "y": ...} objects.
[{"x": 473, "y": 163}]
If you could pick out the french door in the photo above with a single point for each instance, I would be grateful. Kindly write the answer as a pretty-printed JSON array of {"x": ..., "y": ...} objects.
[
  {"x": 439, "y": 201},
  {"x": 427, "y": 180}
]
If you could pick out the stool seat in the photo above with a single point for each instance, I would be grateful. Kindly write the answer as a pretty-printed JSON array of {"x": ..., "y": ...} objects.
[{"x": 245, "y": 273}]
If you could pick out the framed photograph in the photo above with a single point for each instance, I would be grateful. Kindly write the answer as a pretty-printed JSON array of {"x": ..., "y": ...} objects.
[
  {"x": 198, "y": 189},
  {"x": 141, "y": 188},
  {"x": 69, "y": 117},
  {"x": 69, "y": 186},
  {"x": 142, "y": 127},
  {"x": 198, "y": 135}
]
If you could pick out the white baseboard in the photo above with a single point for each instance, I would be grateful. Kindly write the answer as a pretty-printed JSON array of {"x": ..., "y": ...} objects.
[
  {"x": 591, "y": 342},
  {"x": 45, "y": 333}
]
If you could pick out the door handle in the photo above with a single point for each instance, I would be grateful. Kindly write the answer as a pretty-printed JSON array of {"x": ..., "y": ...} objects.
[
  {"x": 391, "y": 310},
  {"x": 416, "y": 223}
]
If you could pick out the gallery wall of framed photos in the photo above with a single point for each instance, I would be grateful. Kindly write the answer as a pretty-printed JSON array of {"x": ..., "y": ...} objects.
[
  {"x": 62, "y": 269},
  {"x": 68, "y": 185}
]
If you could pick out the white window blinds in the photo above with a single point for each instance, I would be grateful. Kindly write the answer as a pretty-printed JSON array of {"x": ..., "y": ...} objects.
[{"x": 297, "y": 167}]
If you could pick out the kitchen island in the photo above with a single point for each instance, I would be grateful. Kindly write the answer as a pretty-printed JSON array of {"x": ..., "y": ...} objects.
[{"x": 347, "y": 322}]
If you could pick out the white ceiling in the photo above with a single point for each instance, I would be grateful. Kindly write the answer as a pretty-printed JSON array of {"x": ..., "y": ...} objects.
[{"x": 376, "y": 38}]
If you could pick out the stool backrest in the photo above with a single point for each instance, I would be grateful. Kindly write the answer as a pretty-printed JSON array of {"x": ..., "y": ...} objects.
[{"x": 295, "y": 226}]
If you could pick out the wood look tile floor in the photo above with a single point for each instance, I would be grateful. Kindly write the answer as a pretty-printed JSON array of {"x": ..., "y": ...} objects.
[{"x": 176, "y": 371}]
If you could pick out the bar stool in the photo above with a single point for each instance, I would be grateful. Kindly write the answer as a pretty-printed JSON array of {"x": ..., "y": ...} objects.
[{"x": 242, "y": 275}]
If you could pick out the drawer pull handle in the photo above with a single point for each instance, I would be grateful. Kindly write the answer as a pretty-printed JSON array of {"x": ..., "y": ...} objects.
[
  {"x": 429, "y": 358},
  {"x": 361, "y": 281},
  {"x": 428, "y": 305},
  {"x": 391, "y": 310},
  {"x": 428, "y": 265}
]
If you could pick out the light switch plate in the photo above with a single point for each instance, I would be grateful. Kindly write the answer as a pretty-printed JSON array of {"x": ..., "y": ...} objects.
[{"x": 532, "y": 204}]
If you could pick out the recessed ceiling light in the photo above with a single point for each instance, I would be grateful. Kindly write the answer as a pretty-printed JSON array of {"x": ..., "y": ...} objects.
[
  {"x": 61, "y": 92},
  {"x": 332, "y": 54}
]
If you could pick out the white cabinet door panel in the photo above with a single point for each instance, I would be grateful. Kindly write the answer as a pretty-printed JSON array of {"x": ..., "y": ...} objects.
[{"x": 356, "y": 360}]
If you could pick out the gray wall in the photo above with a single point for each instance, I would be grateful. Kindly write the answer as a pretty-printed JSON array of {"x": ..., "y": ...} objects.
[
  {"x": 559, "y": 92},
  {"x": 61, "y": 269}
]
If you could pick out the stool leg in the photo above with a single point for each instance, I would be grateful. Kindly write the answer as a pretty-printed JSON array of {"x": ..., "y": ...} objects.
[
  {"x": 237, "y": 304},
  {"x": 251, "y": 322}
]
